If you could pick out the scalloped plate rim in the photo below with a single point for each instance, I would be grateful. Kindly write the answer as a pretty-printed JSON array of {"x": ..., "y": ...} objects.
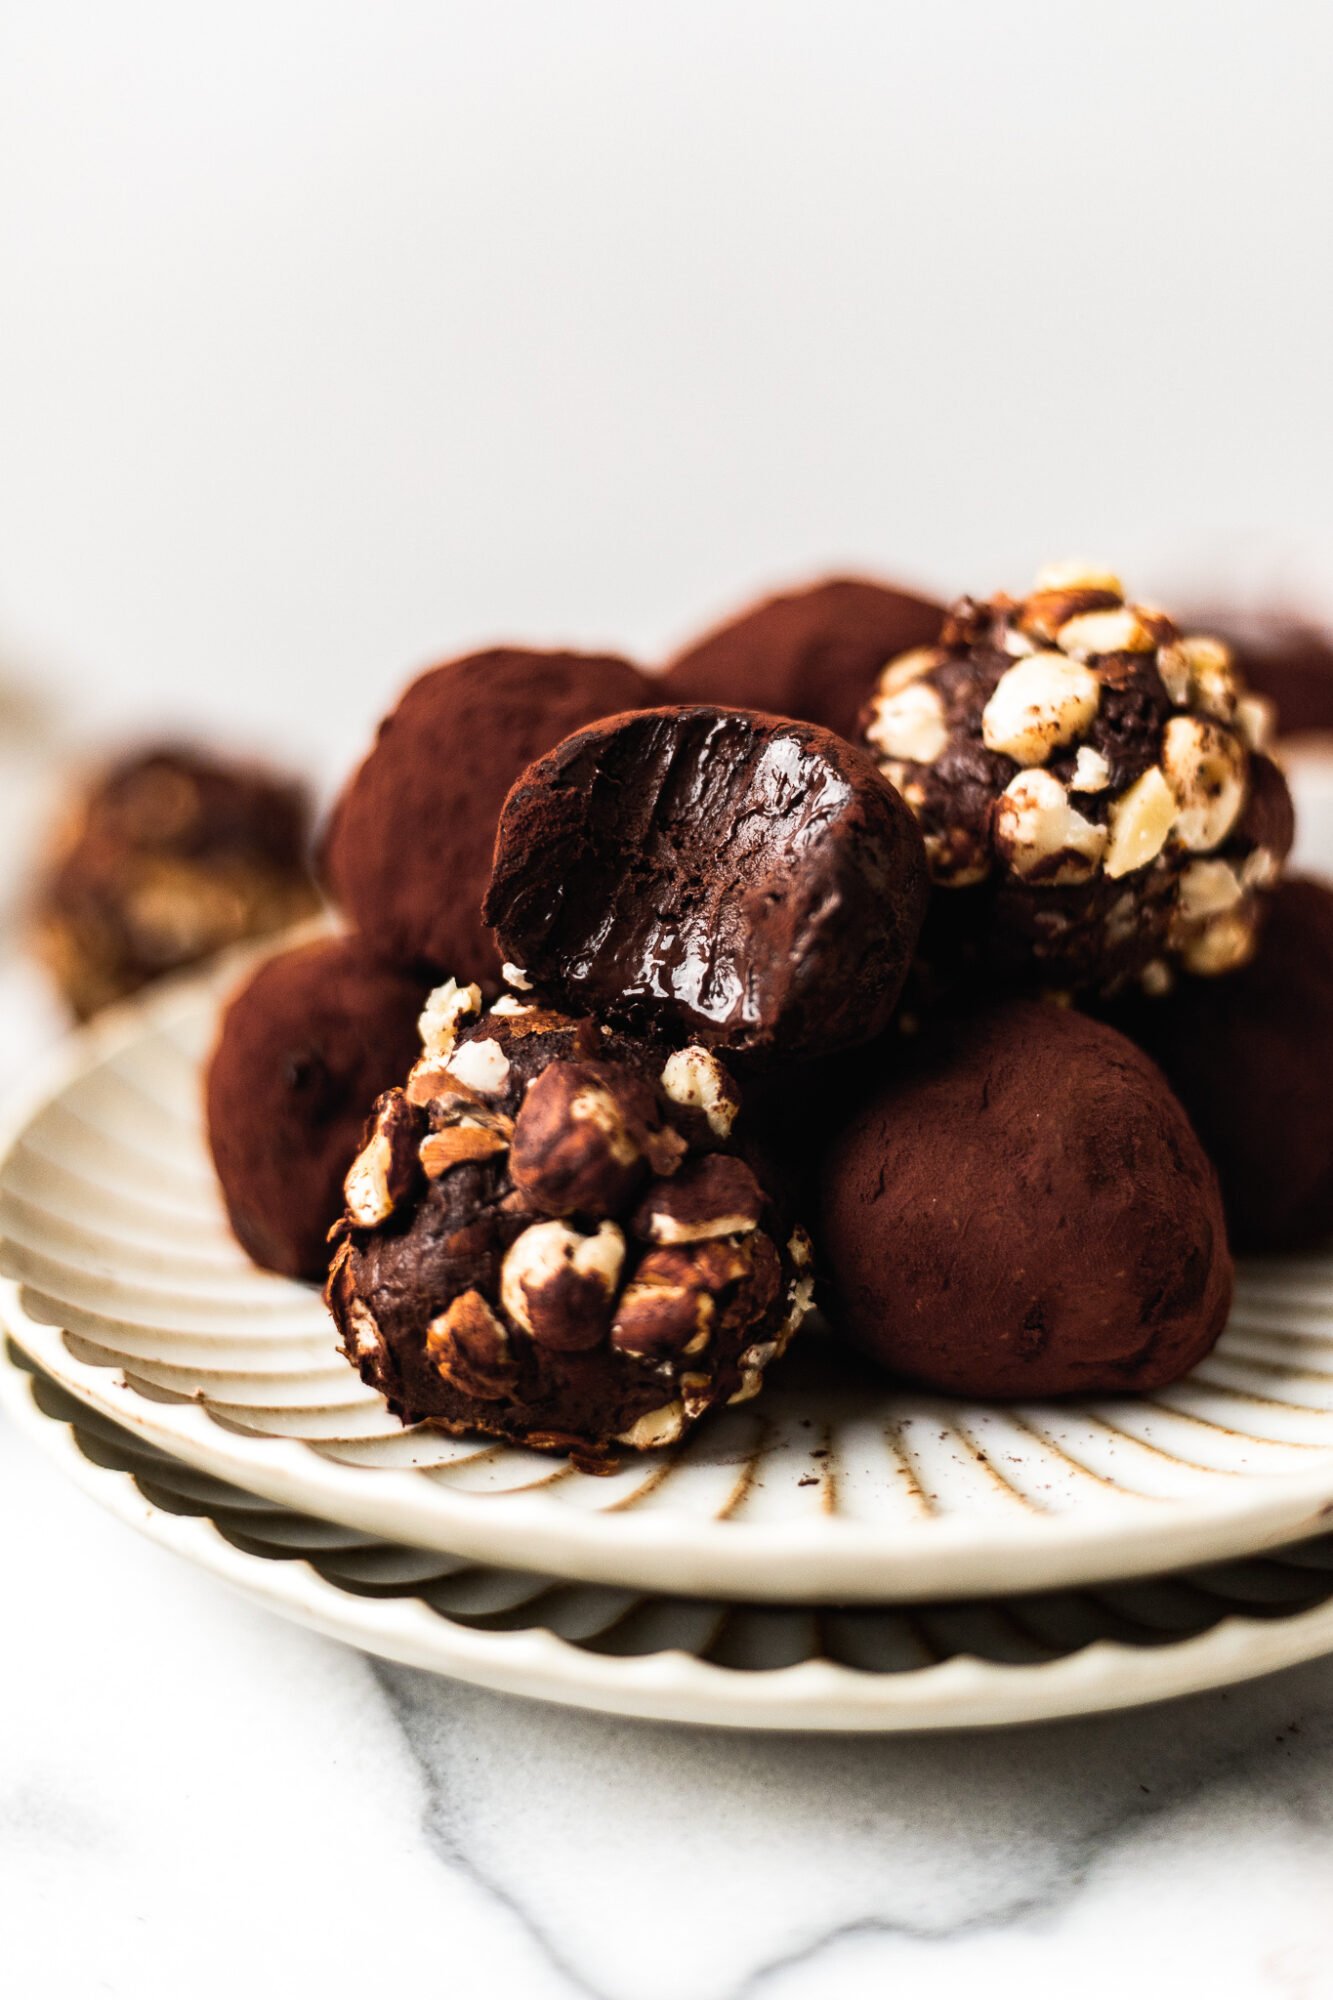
[
  {"x": 812, "y": 1696},
  {"x": 939, "y": 1557}
]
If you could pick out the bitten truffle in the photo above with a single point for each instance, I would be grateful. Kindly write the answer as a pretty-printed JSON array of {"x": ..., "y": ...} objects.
[
  {"x": 169, "y": 856},
  {"x": 813, "y": 654},
  {"x": 730, "y": 878},
  {"x": 1090, "y": 784},
  {"x": 1020, "y": 1208},
  {"x": 552, "y": 1237},
  {"x": 304, "y": 1049},
  {"x": 1251, "y": 1059},
  {"x": 407, "y": 853}
]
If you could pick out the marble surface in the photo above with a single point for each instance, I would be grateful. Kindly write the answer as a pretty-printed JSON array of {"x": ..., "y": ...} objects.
[{"x": 196, "y": 1798}]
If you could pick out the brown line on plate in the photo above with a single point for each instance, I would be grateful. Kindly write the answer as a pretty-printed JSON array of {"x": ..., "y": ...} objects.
[
  {"x": 1157, "y": 1451},
  {"x": 1197, "y": 1377},
  {"x": 653, "y": 1476},
  {"x": 982, "y": 1457},
  {"x": 745, "y": 1479},
  {"x": 1063, "y": 1452},
  {"x": 1324, "y": 1376},
  {"x": 1224, "y": 1430},
  {"x": 901, "y": 1452},
  {"x": 828, "y": 1486}
]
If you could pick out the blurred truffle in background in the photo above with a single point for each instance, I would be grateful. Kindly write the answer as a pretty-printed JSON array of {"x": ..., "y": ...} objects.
[
  {"x": 166, "y": 856},
  {"x": 1251, "y": 1059},
  {"x": 1287, "y": 658},
  {"x": 1286, "y": 655},
  {"x": 812, "y": 654}
]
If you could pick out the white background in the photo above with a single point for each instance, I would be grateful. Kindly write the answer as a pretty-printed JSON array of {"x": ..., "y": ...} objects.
[{"x": 336, "y": 337}]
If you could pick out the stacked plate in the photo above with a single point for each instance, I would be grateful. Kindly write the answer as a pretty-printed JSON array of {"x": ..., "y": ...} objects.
[{"x": 836, "y": 1555}]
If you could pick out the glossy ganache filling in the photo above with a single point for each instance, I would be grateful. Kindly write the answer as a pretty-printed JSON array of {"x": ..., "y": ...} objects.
[{"x": 752, "y": 879}]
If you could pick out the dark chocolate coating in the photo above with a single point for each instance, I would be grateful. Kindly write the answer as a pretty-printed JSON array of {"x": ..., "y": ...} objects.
[
  {"x": 812, "y": 653},
  {"x": 304, "y": 1050},
  {"x": 169, "y": 856},
  {"x": 726, "y": 877},
  {"x": 1020, "y": 1208},
  {"x": 407, "y": 852},
  {"x": 1251, "y": 1059},
  {"x": 424, "y": 1298}
]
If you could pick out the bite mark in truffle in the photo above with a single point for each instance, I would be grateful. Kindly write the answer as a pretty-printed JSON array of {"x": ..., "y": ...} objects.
[{"x": 749, "y": 883}]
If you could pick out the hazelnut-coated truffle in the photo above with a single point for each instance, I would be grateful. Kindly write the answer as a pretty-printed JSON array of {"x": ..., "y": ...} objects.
[
  {"x": 554, "y": 1235},
  {"x": 305, "y": 1048},
  {"x": 712, "y": 875},
  {"x": 407, "y": 853},
  {"x": 1251, "y": 1059},
  {"x": 813, "y": 654},
  {"x": 169, "y": 856},
  {"x": 1020, "y": 1208},
  {"x": 1090, "y": 785},
  {"x": 1289, "y": 660}
]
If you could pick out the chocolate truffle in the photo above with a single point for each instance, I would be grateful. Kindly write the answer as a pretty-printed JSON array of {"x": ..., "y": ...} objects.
[
  {"x": 1289, "y": 660},
  {"x": 1251, "y": 1059},
  {"x": 1020, "y": 1208},
  {"x": 407, "y": 852},
  {"x": 1089, "y": 781},
  {"x": 812, "y": 653},
  {"x": 304, "y": 1050},
  {"x": 551, "y": 1236},
  {"x": 169, "y": 855},
  {"x": 730, "y": 878}
]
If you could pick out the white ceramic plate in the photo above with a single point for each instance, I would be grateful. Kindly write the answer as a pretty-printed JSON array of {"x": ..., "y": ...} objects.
[
  {"x": 122, "y": 1281},
  {"x": 733, "y": 1665}
]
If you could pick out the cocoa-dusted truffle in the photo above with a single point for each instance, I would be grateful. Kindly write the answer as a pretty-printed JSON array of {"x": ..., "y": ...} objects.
[
  {"x": 1020, "y": 1208},
  {"x": 1252, "y": 1061},
  {"x": 1089, "y": 784},
  {"x": 407, "y": 852},
  {"x": 552, "y": 1237},
  {"x": 747, "y": 882},
  {"x": 305, "y": 1048},
  {"x": 812, "y": 653},
  {"x": 169, "y": 855}
]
